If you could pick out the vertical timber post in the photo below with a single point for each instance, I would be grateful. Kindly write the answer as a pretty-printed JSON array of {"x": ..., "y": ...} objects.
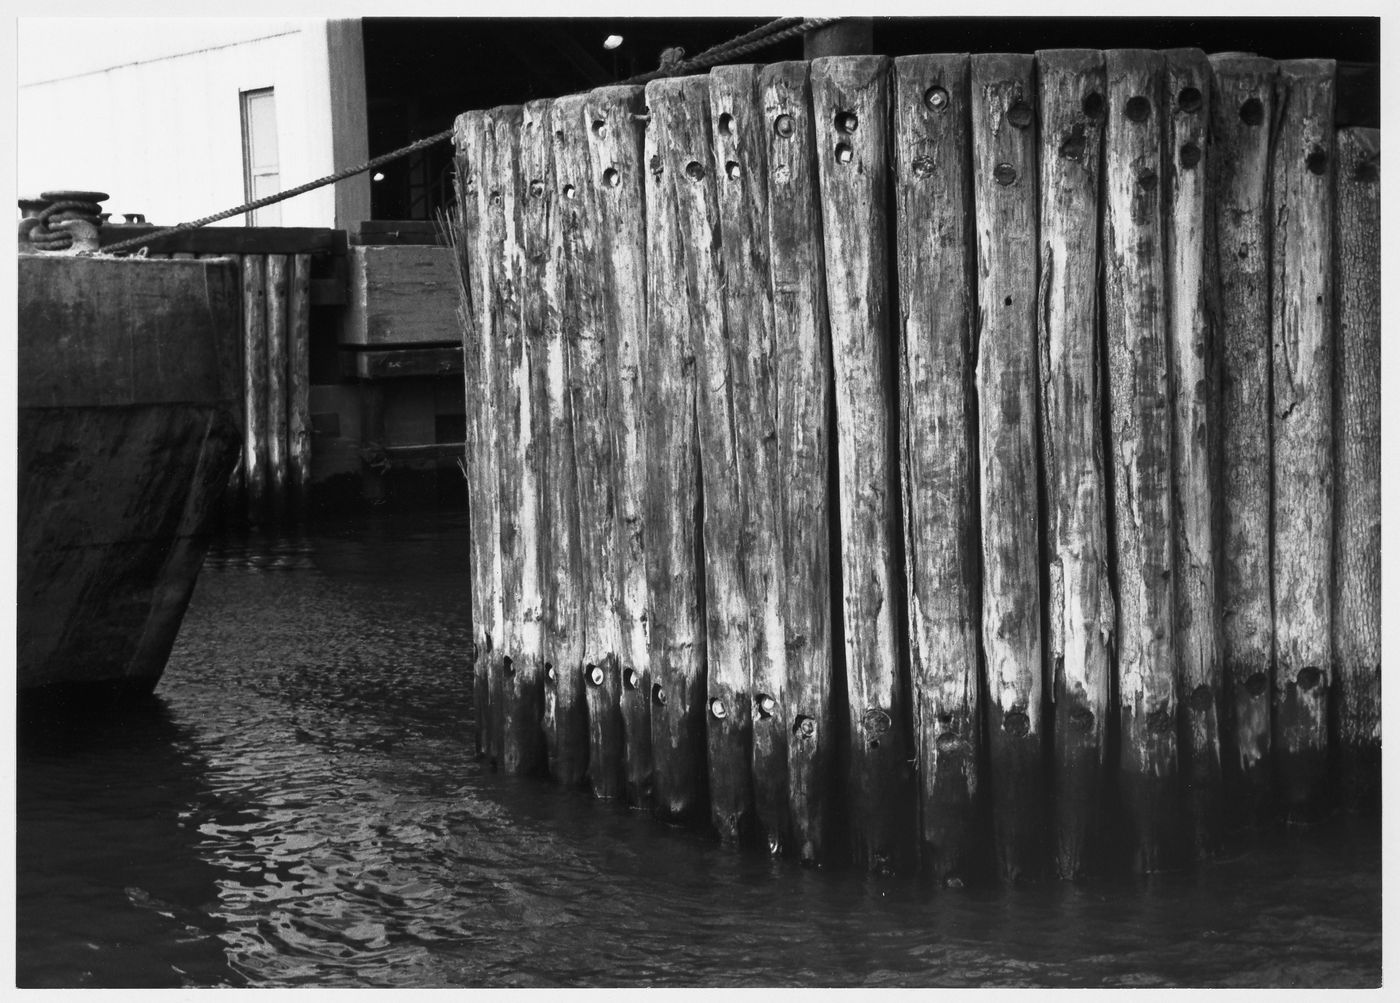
[
  {"x": 514, "y": 387},
  {"x": 278, "y": 315},
  {"x": 1356, "y": 623},
  {"x": 1189, "y": 264},
  {"x": 234, "y": 505},
  {"x": 728, "y": 705},
  {"x": 802, "y": 372},
  {"x": 1004, "y": 185},
  {"x": 299, "y": 387},
  {"x": 1241, "y": 111},
  {"x": 255, "y": 385},
  {"x": 614, "y": 136},
  {"x": 850, "y": 101},
  {"x": 677, "y": 626},
  {"x": 1080, "y": 624},
  {"x": 1140, "y": 454},
  {"x": 937, "y": 291},
  {"x": 742, "y": 194},
  {"x": 1302, "y": 429},
  {"x": 578, "y": 189},
  {"x": 478, "y": 364},
  {"x": 557, "y": 306}
]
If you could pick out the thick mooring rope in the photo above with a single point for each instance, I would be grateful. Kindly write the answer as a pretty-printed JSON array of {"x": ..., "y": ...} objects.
[{"x": 672, "y": 64}]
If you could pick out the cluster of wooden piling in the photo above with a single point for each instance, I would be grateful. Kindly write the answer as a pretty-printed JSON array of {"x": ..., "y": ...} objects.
[
  {"x": 268, "y": 487},
  {"x": 866, "y": 452}
]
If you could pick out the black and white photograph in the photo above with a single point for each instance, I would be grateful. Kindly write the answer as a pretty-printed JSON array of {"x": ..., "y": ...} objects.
[{"x": 571, "y": 497}]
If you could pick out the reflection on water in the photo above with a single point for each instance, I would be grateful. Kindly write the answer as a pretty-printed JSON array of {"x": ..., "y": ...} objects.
[{"x": 301, "y": 807}]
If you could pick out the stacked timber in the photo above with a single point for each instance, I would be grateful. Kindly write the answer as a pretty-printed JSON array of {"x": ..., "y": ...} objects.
[{"x": 936, "y": 463}]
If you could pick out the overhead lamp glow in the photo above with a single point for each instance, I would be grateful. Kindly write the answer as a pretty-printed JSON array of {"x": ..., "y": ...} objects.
[
  {"x": 378, "y": 176},
  {"x": 612, "y": 41}
]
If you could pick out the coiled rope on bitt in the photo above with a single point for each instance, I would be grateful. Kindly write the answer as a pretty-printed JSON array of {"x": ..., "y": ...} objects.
[{"x": 673, "y": 63}]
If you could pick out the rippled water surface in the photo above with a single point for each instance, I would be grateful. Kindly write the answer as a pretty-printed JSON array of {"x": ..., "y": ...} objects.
[{"x": 302, "y": 807}]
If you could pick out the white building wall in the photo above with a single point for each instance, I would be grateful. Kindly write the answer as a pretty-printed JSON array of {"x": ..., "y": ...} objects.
[{"x": 149, "y": 111}]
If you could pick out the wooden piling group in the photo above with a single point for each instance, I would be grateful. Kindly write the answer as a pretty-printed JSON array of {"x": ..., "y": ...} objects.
[
  {"x": 269, "y": 484},
  {"x": 870, "y": 457}
]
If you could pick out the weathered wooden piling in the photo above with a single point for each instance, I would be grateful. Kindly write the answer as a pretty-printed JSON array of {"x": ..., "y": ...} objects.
[
  {"x": 850, "y": 101},
  {"x": 514, "y": 384},
  {"x": 1302, "y": 325},
  {"x": 278, "y": 299},
  {"x": 479, "y": 348},
  {"x": 254, "y": 268},
  {"x": 1188, "y": 275},
  {"x": 677, "y": 625},
  {"x": 802, "y": 372},
  {"x": 576, "y": 188},
  {"x": 1356, "y": 609},
  {"x": 1004, "y": 195},
  {"x": 299, "y": 386},
  {"x": 1140, "y": 454},
  {"x": 614, "y": 137},
  {"x": 1241, "y": 111},
  {"x": 728, "y": 708},
  {"x": 937, "y": 396},
  {"x": 235, "y": 504},
  {"x": 1080, "y": 624},
  {"x": 741, "y": 190},
  {"x": 577, "y": 574}
]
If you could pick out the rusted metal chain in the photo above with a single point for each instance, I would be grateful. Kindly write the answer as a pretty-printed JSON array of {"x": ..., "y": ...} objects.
[{"x": 769, "y": 34}]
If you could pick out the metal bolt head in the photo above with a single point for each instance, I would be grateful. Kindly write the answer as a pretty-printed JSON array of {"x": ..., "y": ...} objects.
[
  {"x": 784, "y": 127},
  {"x": 717, "y": 709},
  {"x": 936, "y": 98}
]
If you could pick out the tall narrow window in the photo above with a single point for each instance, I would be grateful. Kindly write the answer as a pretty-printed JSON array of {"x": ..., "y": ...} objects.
[{"x": 260, "y": 173}]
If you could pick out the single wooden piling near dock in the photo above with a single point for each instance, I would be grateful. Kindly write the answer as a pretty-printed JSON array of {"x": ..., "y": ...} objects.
[
  {"x": 1004, "y": 194},
  {"x": 676, "y": 624},
  {"x": 235, "y": 505},
  {"x": 1241, "y": 111},
  {"x": 299, "y": 386},
  {"x": 1080, "y": 624},
  {"x": 278, "y": 299},
  {"x": 1139, "y": 449},
  {"x": 255, "y": 385},
  {"x": 598, "y": 682},
  {"x": 514, "y": 379},
  {"x": 802, "y": 371},
  {"x": 553, "y": 261},
  {"x": 478, "y": 363},
  {"x": 1302, "y": 427},
  {"x": 619, "y": 256},
  {"x": 850, "y": 101},
  {"x": 1186, "y": 102},
  {"x": 936, "y": 256},
  {"x": 688, "y": 155},
  {"x": 741, "y": 189},
  {"x": 1356, "y": 624}
]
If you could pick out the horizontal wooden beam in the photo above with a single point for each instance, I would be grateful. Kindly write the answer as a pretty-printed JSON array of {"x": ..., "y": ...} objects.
[
  {"x": 233, "y": 239},
  {"x": 380, "y": 232},
  {"x": 400, "y": 362}
]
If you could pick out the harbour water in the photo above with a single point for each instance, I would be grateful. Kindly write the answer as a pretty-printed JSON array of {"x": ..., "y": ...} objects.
[{"x": 302, "y": 807}]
